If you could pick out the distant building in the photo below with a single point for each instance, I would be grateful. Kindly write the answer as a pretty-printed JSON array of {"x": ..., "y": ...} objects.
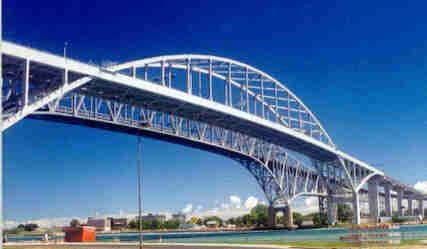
[
  {"x": 212, "y": 224},
  {"x": 101, "y": 224},
  {"x": 119, "y": 223},
  {"x": 189, "y": 226},
  {"x": 179, "y": 217},
  {"x": 151, "y": 217}
]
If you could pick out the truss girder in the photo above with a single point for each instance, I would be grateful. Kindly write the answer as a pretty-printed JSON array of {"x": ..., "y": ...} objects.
[{"x": 280, "y": 175}]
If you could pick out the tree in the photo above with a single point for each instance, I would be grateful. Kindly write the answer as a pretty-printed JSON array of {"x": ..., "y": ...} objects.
[
  {"x": 320, "y": 220},
  {"x": 171, "y": 224},
  {"x": 344, "y": 212},
  {"x": 133, "y": 224},
  {"x": 146, "y": 224},
  {"x": 239, "y": 221},
  {"x": 259, "y": 214},
  {"x": 195, "y": 220},
  {"x": 231, "y": 221},
  {"x": 74, "y": 223},
  {"x": 155, "y": 224},
  {"x": 396, "y": 219},
  {"x": 298, "y": 218},
  {"x": 248, "y": 220},
  {"x": 30, "y": 227}
]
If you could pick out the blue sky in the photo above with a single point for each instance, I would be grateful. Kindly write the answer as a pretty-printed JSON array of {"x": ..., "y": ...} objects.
[{"x": 359, "y": 66}]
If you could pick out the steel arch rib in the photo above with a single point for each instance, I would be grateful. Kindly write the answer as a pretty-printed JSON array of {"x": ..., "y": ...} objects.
[
  {"x": 158, "y": 59},
  {"x": 219, "y": 76}
]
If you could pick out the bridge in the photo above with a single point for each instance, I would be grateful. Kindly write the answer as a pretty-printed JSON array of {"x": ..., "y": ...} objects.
[{"x": 210, "y": 103}]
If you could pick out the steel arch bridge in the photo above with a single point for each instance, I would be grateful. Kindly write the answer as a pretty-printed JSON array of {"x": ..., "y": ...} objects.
[{"x": 208, "y": 102}]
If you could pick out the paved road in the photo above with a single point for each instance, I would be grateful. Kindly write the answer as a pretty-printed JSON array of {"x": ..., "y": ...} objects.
[{"x": 135, "y": 246}]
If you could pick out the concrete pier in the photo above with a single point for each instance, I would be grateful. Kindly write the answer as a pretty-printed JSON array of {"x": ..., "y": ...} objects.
[
  {"x": 373, "y": 200},
  {"x": 271, "y": 216},
  {"x": 288, "y": 220},
  {"x": 356, "y": 208},
  {"x": 421, "y": 207},
  {"x": 399, "y": 202},
  {"x": 332, "y": 211},
  {"x": 410, "y": 211},
  {"x": 388, "y": 200}
]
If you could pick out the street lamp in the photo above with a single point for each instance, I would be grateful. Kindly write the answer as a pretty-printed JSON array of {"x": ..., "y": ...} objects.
[
  {"x": 139, "y": 174},
  {"x": 65, "y": 50}
]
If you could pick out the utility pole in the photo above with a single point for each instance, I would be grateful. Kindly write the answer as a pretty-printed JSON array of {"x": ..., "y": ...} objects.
[
  {"x": 1, "y": 130},
  {"x": 139, "y": 169}
]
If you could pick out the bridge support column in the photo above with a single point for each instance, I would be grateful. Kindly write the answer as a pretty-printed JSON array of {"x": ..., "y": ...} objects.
[
  {"x": 410, "y": 207},
  {"x": 356, "y": 208},
  {"x": 399, "y": 202},
  {"x": 388, "y": 200},
  {"x": 373, "y": 199},
  {"x": 332, "y": 211},
  {"x": 421, "y": 207},
  {"x": 288, "y": 220},
  {"x": 271, "y": 216}
]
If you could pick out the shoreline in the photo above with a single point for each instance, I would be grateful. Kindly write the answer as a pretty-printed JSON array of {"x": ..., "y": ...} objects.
[{"x": 134, "y": 244}]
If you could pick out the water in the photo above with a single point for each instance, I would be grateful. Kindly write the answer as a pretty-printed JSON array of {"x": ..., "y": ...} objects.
[{"x": 404, "y": 233}]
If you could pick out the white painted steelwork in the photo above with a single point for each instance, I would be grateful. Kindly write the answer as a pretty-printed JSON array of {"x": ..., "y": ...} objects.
[{"x": 208, "y": 102}]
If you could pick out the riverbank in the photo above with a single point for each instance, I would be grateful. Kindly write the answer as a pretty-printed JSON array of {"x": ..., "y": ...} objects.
[
  {"x": 310, "y": 238},
  {"x": 293, "y": 245}
]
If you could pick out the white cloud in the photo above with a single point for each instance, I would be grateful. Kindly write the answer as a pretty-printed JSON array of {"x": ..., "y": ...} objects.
[
  {"x": 225, "y": 206},
  {"x": 43, "y": 222},
  {"x": 251, "y": 202},
  {"x": 309, "y": 205},
  {"x": 235, "y": 201},
  {"x": 311, "y": 201},
  {"x": 232, "y": 208},
  {"x": 421, "y": 186},
  {"x": 65, "y": 221},
  {"x": 188, "y": 208}
]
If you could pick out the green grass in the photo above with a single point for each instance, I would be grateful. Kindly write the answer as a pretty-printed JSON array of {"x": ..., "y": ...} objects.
[
  {"x": 318, "y": 244},
  {"x": 330, "y": 244},
  {"x": 408, "y": 244}
]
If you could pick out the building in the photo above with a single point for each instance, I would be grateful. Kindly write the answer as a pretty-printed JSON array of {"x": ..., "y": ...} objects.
[
  {"x": 101, "y": 224},
  {"x": 119, "y": 223},
  {"x": 212, "y": 224},
  {"x": 179, "y": 217},
  {"x": 151, "y": 217},
  {"x": 189, "y": 226}
]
